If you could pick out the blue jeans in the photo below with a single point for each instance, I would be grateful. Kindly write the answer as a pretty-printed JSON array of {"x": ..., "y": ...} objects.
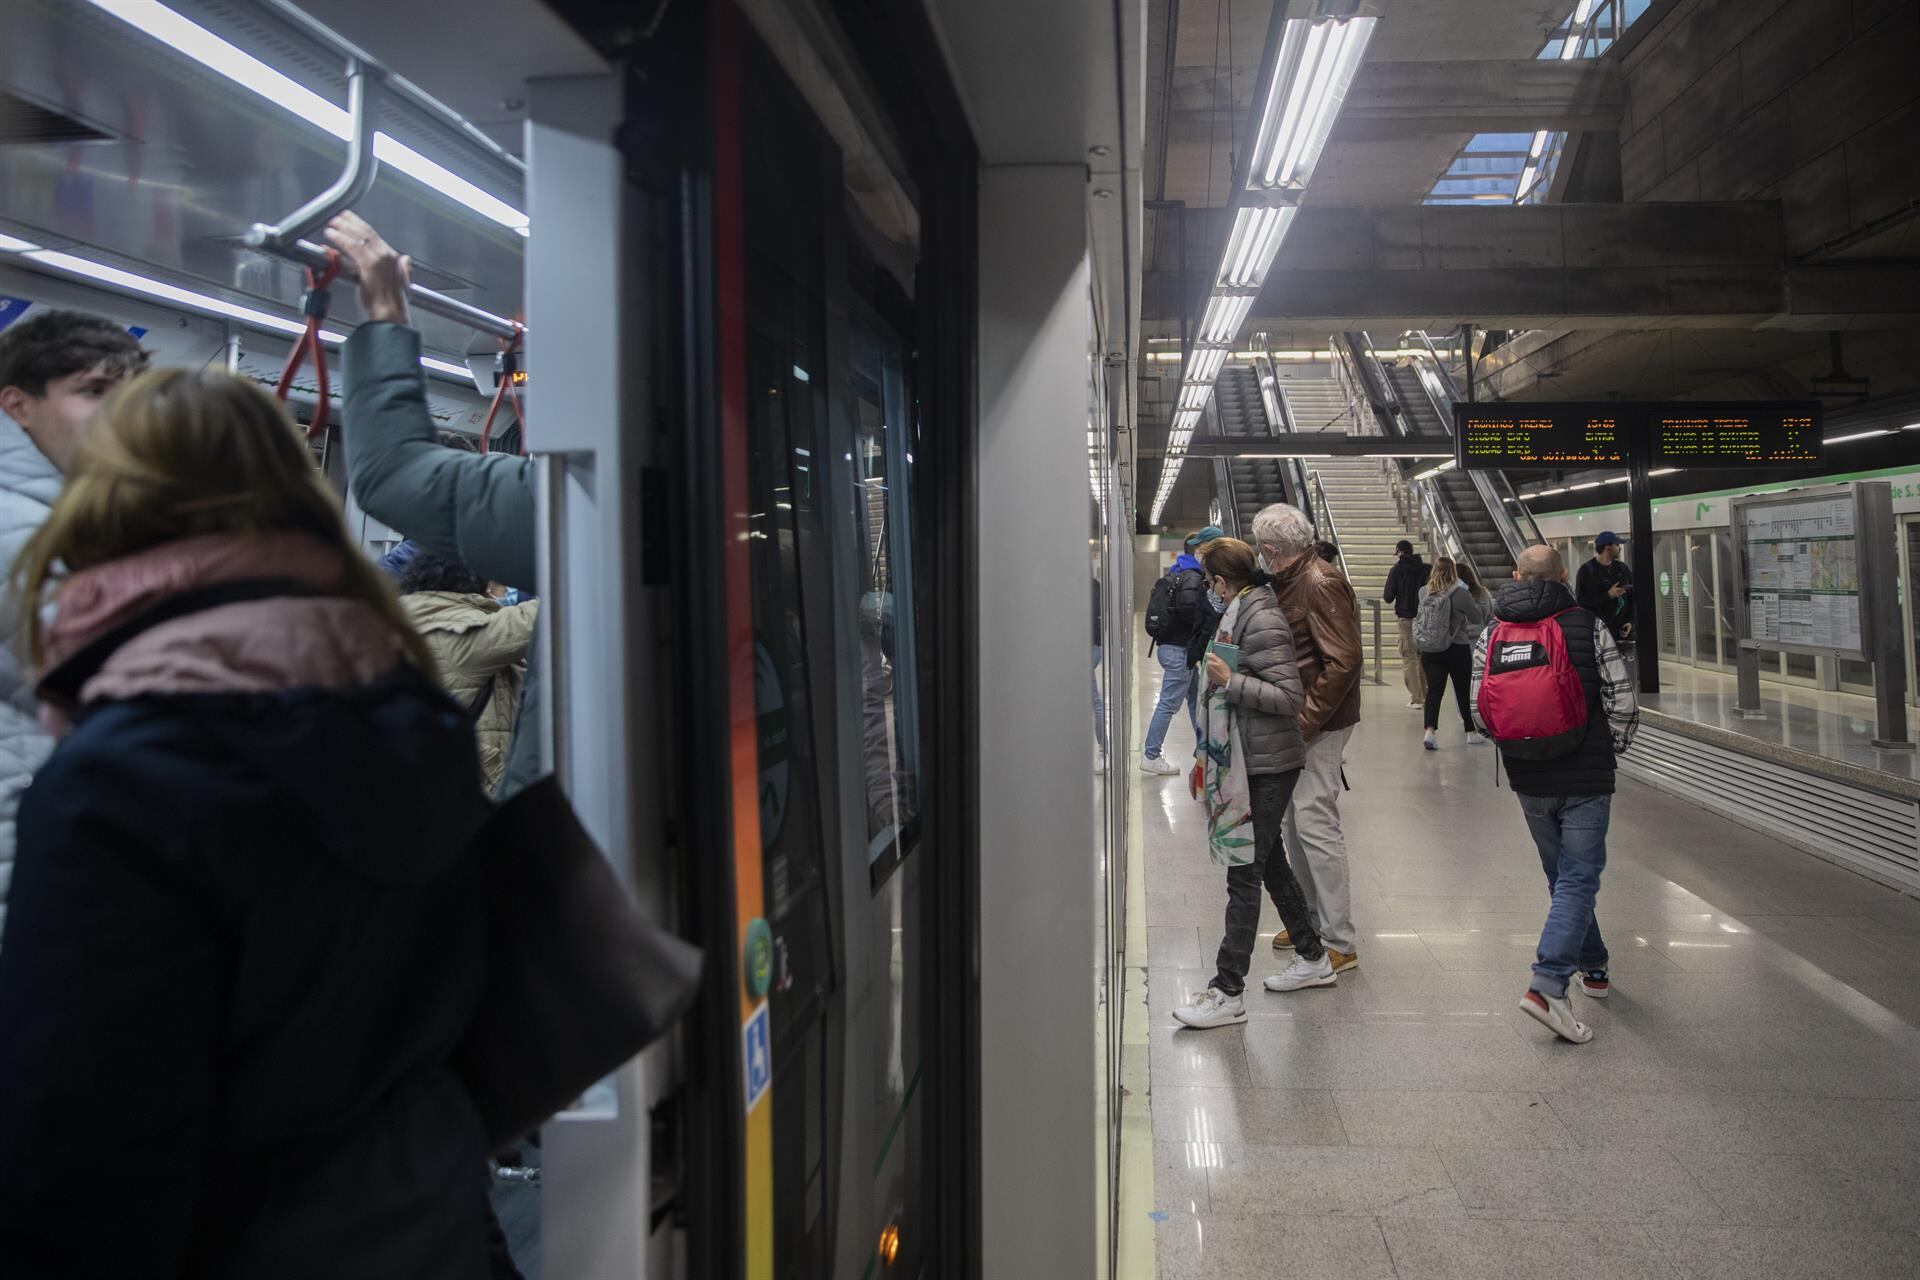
[
  {"x": 1571, "y": 832},
  {"x": 1176, "y": 686},
  {"x": 1099, "y": 705}
]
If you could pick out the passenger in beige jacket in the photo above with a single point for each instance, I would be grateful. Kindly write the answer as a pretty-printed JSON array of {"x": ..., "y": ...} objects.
[{"x": 481, "y": 647}]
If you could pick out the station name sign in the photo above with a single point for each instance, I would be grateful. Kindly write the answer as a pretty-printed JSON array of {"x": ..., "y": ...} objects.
[{"x": 1698, "y": 434}]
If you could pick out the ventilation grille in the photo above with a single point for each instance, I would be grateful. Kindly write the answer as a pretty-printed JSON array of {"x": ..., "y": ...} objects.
[
  {"x": 25, "y": 124},
  {"x": 1876, "y": 833}
]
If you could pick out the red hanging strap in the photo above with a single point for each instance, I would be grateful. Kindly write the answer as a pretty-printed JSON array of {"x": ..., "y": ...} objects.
[
  {"x": 503, "y": 389},
  {"x": 315, "y": 307}
]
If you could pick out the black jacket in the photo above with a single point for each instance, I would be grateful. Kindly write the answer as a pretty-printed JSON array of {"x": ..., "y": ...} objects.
[
  {"x": 1404, "y": 582},
  {"x": 244, "y": 940},
  {"x": 1590, "y": 586},
  {"x": 1588, "y": 770}
]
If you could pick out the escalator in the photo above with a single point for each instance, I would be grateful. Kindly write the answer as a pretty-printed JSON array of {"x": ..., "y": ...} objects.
[
  {"x": 1240, "y": 412},
  {"x": 1480, "y": 538}
]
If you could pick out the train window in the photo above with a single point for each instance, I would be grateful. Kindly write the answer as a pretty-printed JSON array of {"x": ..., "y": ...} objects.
[{"x": 889, "y": 706}]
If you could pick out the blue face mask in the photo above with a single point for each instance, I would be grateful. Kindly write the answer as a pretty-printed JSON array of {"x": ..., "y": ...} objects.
[
  {"x": 1215, "y": 602},
  {"x": 511, "y": 598}
]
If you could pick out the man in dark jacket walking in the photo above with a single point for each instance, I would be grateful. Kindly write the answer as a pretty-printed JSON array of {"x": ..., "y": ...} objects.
[
  {"x": 1404, "y": 582},
  {"x": 1568, "y": 798}
]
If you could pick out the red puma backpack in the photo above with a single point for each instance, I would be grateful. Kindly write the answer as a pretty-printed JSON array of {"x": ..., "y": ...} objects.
[{"x": 1531, "y": 698}]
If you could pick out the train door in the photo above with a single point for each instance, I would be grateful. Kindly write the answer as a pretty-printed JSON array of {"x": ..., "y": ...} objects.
[{"x": 816, "y": 416}]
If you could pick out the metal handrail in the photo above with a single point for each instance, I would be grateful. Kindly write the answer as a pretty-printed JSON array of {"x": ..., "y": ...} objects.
[
  {"x": 1280, "y": 420},
  {"x": 1323, "y": 522},
  {"x": 284, "y": 239},
  {"x": 363, "y": 91}
]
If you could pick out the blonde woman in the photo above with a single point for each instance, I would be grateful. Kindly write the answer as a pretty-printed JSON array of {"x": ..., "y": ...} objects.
[
  {"x": 1482, "y": 600},
  {"x": 245, "y": 932},
  {"x": 1444, "y": 631}
]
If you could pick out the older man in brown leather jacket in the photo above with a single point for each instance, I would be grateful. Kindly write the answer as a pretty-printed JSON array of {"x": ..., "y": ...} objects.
[{"x": 1326, "y": 640}]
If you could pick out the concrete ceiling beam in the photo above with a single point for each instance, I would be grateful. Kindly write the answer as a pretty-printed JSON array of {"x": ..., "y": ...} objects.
[
  {"x": 1581, "y": 266},
  {"x": 1392, "y": 100}
]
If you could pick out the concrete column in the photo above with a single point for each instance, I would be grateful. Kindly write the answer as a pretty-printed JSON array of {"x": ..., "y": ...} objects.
[{"x": 1037, "y": 873}]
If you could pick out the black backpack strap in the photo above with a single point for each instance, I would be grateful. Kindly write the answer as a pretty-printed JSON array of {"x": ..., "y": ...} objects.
[
  {"x": 478, "y": 707},
  {"x": 63, "y": 684}
]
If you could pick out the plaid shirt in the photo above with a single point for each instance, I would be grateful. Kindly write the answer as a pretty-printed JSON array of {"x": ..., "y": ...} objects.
[{"x": 1617, "y": 698}]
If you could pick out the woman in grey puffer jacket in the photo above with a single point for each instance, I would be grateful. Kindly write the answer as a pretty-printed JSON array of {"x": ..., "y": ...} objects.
[{"x": 1266, "y": 693}]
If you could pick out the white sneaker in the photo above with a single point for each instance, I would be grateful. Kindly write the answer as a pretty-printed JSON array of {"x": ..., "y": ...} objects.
[
  {"x": 1427, "y": 741},
  {"x": 1417, "y": 704},
  {"x": 1158, "y": 764},
  {"x": 1474, "y": 736},
  {"x": 1212, "y": 1008},
  {"x": 1304, "y": 973},
  {"x": 1556, "y": 1015}
]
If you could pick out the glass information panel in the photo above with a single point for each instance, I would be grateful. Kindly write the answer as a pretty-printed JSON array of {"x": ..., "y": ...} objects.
[{"x": 1802, "y": 559}]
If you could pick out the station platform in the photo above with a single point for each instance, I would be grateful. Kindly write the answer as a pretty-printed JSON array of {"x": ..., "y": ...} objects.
[{"x": 1749, "y": 1105}]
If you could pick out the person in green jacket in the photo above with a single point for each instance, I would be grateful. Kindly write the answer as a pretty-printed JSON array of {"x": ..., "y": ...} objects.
[{"x": 476, "y": 508}]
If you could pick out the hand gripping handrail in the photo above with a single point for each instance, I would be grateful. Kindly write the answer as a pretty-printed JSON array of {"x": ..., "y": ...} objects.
[
  {"x": 286, "y": 238},
  {"x": 363, "y": 91}
]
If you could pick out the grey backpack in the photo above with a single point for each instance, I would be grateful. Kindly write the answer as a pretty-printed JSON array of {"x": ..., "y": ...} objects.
[{"x": 1433, "y": 626}]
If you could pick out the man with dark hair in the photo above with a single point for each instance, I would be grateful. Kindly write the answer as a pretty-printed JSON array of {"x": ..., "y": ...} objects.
[
  {"x": 1604, "y": 586},
  {"x": 1404, "y": 581},
  {"x": 55, "y": 368}
]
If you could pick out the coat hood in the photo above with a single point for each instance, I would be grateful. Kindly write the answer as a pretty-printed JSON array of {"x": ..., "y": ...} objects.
[
  {"x": 1184, "y": 561},
  {"x": 1531, "y": 599}
]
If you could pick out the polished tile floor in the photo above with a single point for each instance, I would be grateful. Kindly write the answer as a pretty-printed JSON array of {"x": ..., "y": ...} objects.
[
  {"x": 1839, "y": 726},
  {"x": 1749, "y": 1106}
]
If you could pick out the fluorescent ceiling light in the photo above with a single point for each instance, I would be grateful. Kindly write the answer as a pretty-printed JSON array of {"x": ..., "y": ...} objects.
[
  {"x": 204, "y": 303},
  {"x": 1254, "y": 242},
  {"x": 13, "y": 244},
  {"x": 1431, "y": 472},
  {"x": 1404, "y": 453},
  {"x": 1223, "y": 317},
  {"x": 1548, "y": 493},
  {"x": 1194, "y": 395},
  {"x": 1206, "y": 364},
  {"x": 1315, "y": 68},
  {"x": 1663, "y": 471},
  {"x": 210, "y": 51},
  {"x": 1591, "y": 484},
  {"x": 1858, "y": 435}
]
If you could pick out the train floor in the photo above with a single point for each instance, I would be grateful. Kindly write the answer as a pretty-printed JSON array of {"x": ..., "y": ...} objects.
[{"x": 1749, "y": 1104}]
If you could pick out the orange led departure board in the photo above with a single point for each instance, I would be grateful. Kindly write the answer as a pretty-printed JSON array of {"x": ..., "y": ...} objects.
[
  {"x": 1703, "y": 435},
  {"x": 1761, "y": 434},
  {"x": 1489, "y": 437}
]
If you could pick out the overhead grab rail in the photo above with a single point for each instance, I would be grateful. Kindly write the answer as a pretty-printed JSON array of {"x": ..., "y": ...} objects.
[{"x": 285, "y": 239}]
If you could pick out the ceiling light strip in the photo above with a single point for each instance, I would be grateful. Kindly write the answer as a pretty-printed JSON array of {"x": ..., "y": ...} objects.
[{"x": 209, "y": 50}]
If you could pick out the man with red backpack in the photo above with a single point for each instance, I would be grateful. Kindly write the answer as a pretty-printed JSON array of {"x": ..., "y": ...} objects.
[{"x": 1552, "y": 691}]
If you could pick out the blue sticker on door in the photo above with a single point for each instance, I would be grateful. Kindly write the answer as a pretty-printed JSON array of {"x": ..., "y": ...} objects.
[
  {"x": 12, "y": 309},
  {"x": 756, "y": 1055}
]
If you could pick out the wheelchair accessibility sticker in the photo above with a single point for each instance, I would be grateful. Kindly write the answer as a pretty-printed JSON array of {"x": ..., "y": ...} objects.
[{"x": 756, "y": 1055}]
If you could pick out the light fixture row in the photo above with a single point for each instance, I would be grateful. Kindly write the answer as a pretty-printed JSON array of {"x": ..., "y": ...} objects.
[{"x": 1307, "y": 82}]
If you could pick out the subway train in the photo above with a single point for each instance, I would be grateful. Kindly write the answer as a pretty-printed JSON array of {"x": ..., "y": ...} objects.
[{"x": 716, "y": 269}]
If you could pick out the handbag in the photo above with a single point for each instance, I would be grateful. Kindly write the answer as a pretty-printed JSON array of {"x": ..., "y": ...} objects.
[{"x": 578, "y": 981}]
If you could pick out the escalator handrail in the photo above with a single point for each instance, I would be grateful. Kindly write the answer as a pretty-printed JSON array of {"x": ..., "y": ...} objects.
[
  {"x": 1516, "y": 524},
  {"x": 1437, "y": 516},
  {"x": 1278, "y": 414},
  {"x": 1318, "y": 494}
]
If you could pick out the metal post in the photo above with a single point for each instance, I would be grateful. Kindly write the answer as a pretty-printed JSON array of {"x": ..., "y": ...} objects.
[
  {"x": 230, "y": 347},
  {"x": 1466, "y": 337},
  {"x": 1746, "y": 662},
  {"x": 1646, "y": 632},
  {"x": 1884, "y": 638},
  {"x": 1378, "y": 678}
]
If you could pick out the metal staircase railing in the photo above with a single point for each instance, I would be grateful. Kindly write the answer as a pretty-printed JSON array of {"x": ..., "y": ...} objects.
[{"x": 1510, "y": 516}]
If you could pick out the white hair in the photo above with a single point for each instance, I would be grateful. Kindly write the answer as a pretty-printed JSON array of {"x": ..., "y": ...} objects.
[{"x": 1284, "y": 528}]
